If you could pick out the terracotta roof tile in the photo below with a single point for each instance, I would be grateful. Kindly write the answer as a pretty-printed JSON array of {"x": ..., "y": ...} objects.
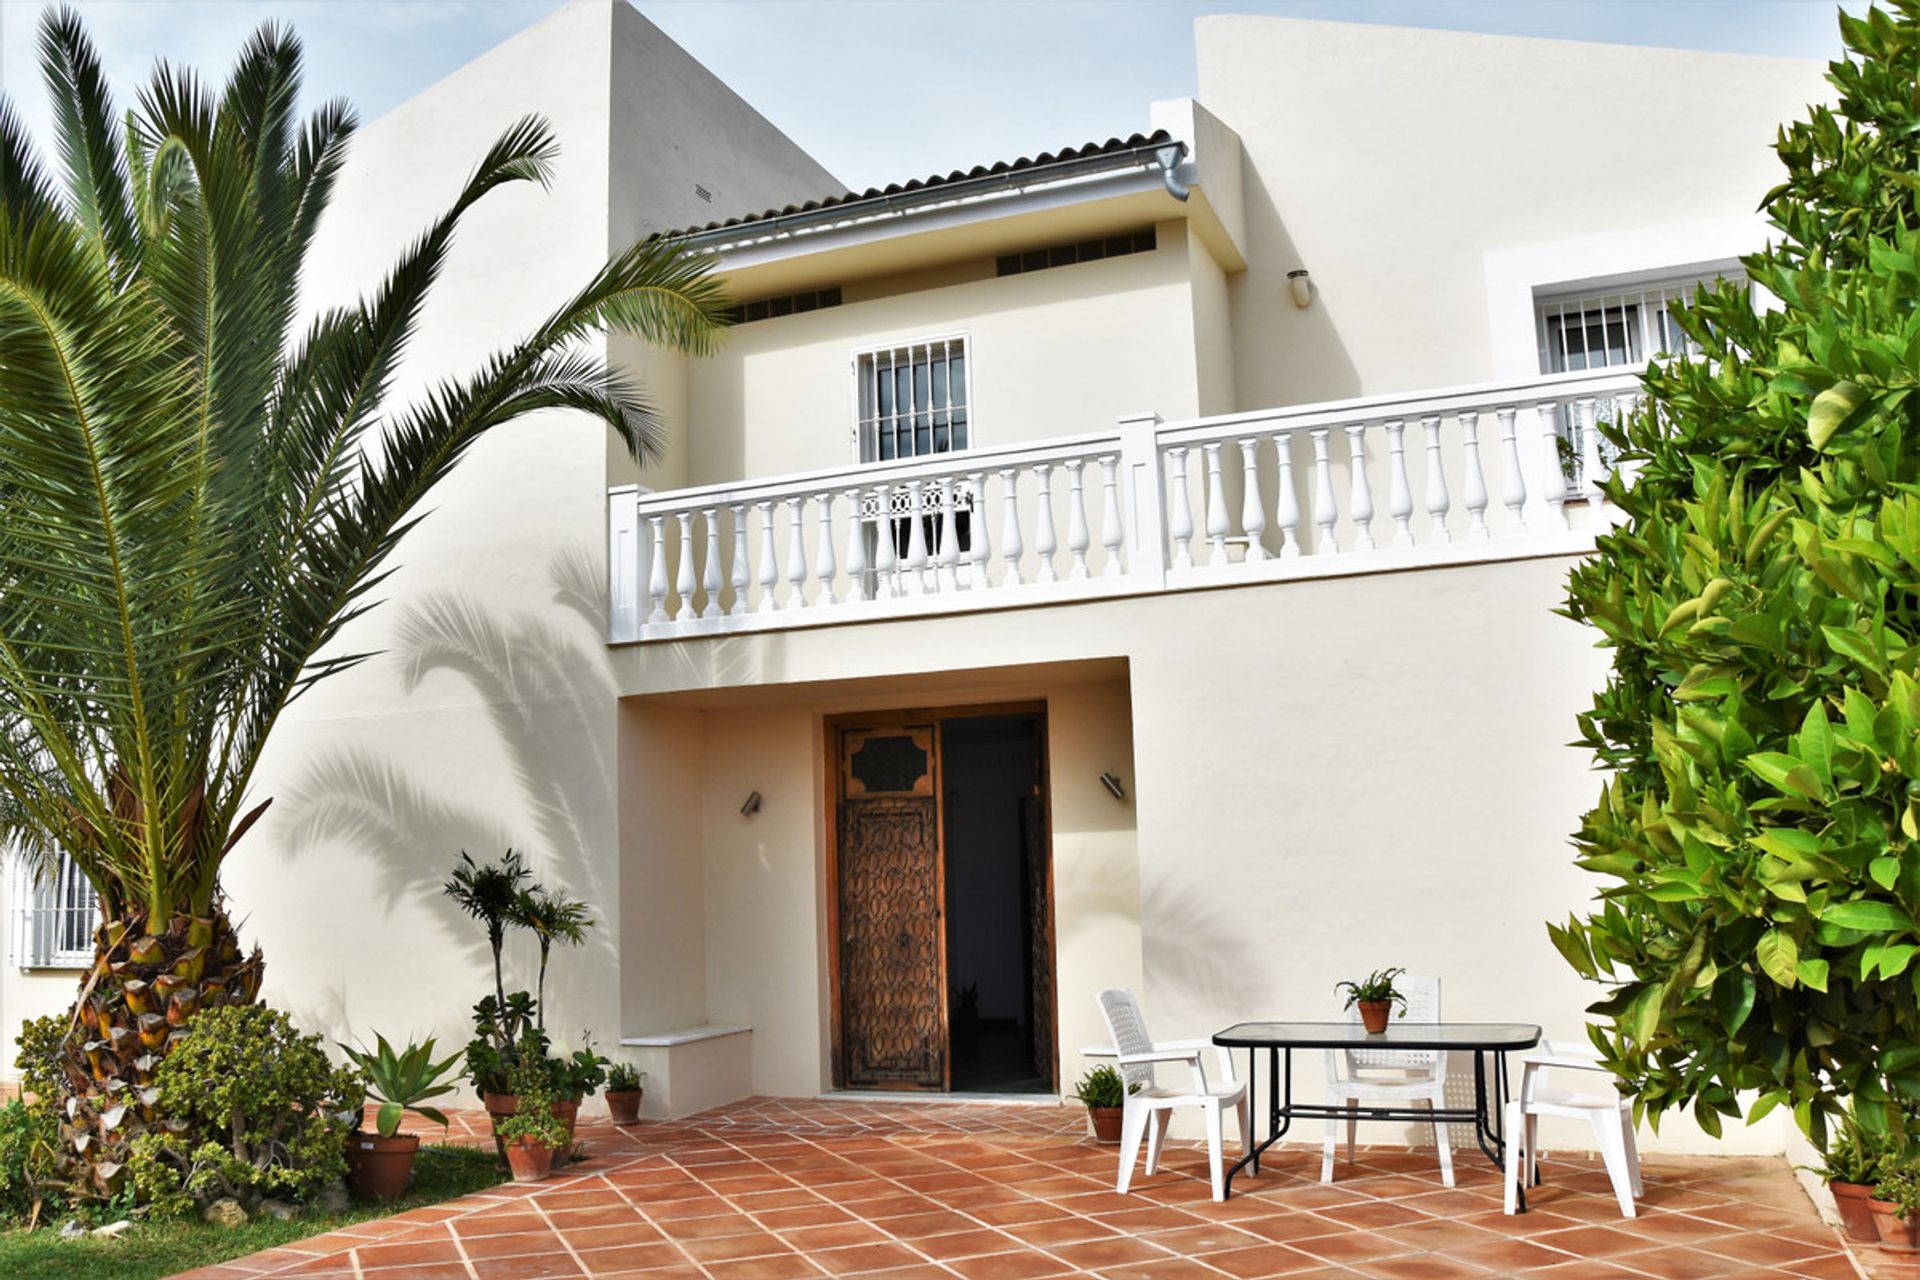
[{"x": 1112, "y": 146}]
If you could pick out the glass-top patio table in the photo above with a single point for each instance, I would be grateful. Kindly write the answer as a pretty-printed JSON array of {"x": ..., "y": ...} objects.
[{"x": 1280, "y": 1039}]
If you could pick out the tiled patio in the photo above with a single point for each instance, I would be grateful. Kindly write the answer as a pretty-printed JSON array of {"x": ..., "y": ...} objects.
[{"x": 789, "y": 1190}]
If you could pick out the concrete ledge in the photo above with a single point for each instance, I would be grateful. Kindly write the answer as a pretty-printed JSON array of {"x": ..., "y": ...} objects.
[
  {"x": 692, "y": 1069},
  {"x": 669, "y": 1039}
]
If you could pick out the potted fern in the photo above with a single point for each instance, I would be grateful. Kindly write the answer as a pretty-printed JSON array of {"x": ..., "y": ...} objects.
[
  {"x": 380, "y": 1164},
  {"x": 1376, "y": 995},
  {"x": 1850, "y": 1166},
  {"x": 1104, "y": 1094},
  {"x": 623, "y": 1092}
]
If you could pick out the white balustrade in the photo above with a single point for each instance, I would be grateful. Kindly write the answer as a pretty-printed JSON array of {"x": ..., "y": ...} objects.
[{"x": 913, "y": 536}]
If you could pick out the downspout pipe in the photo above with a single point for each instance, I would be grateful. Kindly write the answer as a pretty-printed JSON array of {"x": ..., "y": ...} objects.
[{"x": 1168, "y": 157}]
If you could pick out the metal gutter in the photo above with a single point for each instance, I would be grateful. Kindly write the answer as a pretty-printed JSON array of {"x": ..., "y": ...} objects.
[{"x": 1165, "y": 156}]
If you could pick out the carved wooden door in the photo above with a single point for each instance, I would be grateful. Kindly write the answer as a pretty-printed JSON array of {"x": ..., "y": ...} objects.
[
  {"x": 893, "y": 1008},
  {"x": 1037, "y": 901}
]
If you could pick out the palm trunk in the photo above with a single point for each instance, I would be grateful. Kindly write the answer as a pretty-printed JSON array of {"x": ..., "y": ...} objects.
[{"x": 134, "y": 1006}]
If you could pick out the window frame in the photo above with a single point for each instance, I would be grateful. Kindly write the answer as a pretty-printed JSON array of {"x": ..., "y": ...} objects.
[
  {"x": 40, "y": 912},
  {"x": 860, "y": 354}
]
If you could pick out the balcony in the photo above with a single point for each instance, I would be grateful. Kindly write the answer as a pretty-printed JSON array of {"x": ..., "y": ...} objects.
[{"x": 1378, "y": 484}]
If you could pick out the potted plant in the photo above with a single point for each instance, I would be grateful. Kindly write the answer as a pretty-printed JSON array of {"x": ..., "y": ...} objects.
[
  {"x": 531, "y": 1136},
  {"x": 1376, "y": 995},
  {"x": 1105, "y": 1097},
  {"x": 574, "y": 1078},
  {"x": 623, "y": 1092},
  {"x": 380, "y": 1164},
  {"x": 1896, "y": 1209},
  {"x": 1850, "y": 1166}
]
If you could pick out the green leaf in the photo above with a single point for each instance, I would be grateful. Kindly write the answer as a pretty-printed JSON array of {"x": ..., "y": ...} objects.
[
  {"x": 1869, "y": 914},
  {"x": 387, "y": 1119},
  {"x": 1884, "y": 870},
  {"x": 1778, "y": 955},
  {"x": 1813, "y": 973},
  {"x": 1831, "y": 409}
]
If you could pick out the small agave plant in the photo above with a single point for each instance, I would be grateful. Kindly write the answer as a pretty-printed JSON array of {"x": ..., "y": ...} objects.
[{"x": 380, "y": 1164}]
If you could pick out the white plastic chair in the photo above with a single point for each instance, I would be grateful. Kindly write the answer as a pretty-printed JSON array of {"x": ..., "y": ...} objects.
[
  {"x": 1354, "y": 1076},
  {"x": 1610, "y": 1114},
  {"x": 1149, "y": 1109}
]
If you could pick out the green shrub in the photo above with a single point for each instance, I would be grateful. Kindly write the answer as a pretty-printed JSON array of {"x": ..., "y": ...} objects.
[
  {"x": 252, "y": 1109},
  {"x": 1760, "y": 831},
  {"x": 1103, "y": 1087},
  {"x": 27, "y": 1157},
  {"x": 40, "y": 1042}
]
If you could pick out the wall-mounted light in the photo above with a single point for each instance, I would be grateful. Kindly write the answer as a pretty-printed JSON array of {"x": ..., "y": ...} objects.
[
  {"x": 752, "y": 805},
  {"x": 1300, "y": 287},
  {"x": 1111, "y": 781}
]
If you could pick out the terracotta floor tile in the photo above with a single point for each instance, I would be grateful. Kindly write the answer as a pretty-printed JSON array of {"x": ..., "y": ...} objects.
[
  {"x": 1102, "y": 1255},
  {"x": 419, "y": 1253},
  {"x": 1060, "y": 1231},
  {"x": 913, "y": 1225},
  {"x": 865, "y": 1257},
  {"x": 1424, "y": 1267},
  {"x": 1350, "y": 1247},
  {"x": 496, "y": 1224},
  {"x": 512, "y": 1245},
  {"x": 786, "y": 1266},
  {"x": 1263, "y": 1260},
  {"x": 966, "y": 1244},
  {"x": 1009, "y": 1266},
  {"x": 539, "y": 1266},
  {"x": 709, "y": 1227},
  {"x": 1766, "y": 1250},
  {"x": 1139, "y": 1221},
  {"x": 1585, "y": 1270},
  {"x": 1023, "y": 1211},
  {"x": 1678, "y": 1262},
  {"x": 1508, "y": 1255},
  {"x": 632, "y": 1235},
  {"x": 1162, "y": 1269},
  {"x": 1371, "y": 1217},
  {"x": 756, "y": 1244},
  {"x": 1201, "y": 1239},
  {"x": 1439, "y": 1233},
  {"x": 418, "y": 1271},
  {"x": 1592, "y": 1242},
  {"x": 813, "y": 1215},
  {"x": 633, "y": 1257}
]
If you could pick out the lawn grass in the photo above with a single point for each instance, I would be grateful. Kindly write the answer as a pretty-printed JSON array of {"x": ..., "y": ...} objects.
[{"x": 149, "y": 1251}]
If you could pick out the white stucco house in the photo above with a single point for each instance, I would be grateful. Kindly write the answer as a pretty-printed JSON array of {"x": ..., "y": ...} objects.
[{"x": 1128, "y": 565}]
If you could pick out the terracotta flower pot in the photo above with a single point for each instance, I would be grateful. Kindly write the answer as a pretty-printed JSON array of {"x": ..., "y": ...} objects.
[
  {"x": 624, "y": 1105},
  {"x": 1897, "y": 1234},
  {"x": 569, "y": 1112},
  {"x": 1106, "y": 1124},
  {"x": 378, "y": 1168},
  {"x": 502, "y": 1105},
  {"x": 1850, "y": 1200},
  {"x": 1374, "y": 1015},
  {"x": 530, "y": 1161}
]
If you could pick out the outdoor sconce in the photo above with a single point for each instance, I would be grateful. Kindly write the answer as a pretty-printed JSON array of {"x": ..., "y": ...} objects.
[
  {"x": 1111, "y": 781},
  {"x": 752, "y": 805},
  {"x": 1300, "y": 286}
]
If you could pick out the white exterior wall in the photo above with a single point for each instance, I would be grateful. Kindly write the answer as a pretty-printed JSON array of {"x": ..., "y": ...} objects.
[
  {"x": 1392, "y": 162},
  {"x": 1050, "y": 353}
]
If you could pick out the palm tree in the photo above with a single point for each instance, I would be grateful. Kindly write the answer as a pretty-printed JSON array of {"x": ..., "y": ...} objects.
[{"x": 190, "y": 509}]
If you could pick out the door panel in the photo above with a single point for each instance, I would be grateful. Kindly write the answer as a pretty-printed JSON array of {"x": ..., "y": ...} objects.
[
  {"x": 1038, "y": 902},
  {"x": 892, "y": 946}
]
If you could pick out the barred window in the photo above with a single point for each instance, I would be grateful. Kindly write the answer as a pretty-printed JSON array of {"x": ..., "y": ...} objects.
[
  {"x": 1617, "y": 328},
  {"x": 53, "y": 918},
  {"x": 912, "y": 401}
]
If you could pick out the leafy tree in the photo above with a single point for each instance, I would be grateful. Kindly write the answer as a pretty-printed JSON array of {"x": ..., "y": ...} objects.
[
  {"x": 1761, "y": 826},
  {"x": 198, "y": 492}
]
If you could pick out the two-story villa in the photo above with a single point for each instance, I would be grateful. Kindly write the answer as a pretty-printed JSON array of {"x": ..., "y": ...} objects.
[{"x": 1130, "y": 564}]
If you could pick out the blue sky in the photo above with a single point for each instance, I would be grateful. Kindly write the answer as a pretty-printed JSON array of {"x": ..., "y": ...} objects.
[{"x": 877, "y": 90}]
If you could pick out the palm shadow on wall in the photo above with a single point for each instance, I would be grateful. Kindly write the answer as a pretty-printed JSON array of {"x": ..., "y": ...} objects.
[{"x": 544, "y": 681}]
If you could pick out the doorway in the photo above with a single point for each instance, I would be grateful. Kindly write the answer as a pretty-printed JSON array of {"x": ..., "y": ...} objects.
[{"x": 942, "y": 901}]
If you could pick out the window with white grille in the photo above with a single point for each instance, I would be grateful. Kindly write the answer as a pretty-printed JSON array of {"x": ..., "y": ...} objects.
[
  {"x": 912, "y": 401},
  {"x": 1614, "y": 328},
  {"x": 53, "y": 918}
]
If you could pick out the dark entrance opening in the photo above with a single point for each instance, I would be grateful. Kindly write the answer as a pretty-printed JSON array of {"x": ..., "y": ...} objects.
[{"x": 998, "y": 904}]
